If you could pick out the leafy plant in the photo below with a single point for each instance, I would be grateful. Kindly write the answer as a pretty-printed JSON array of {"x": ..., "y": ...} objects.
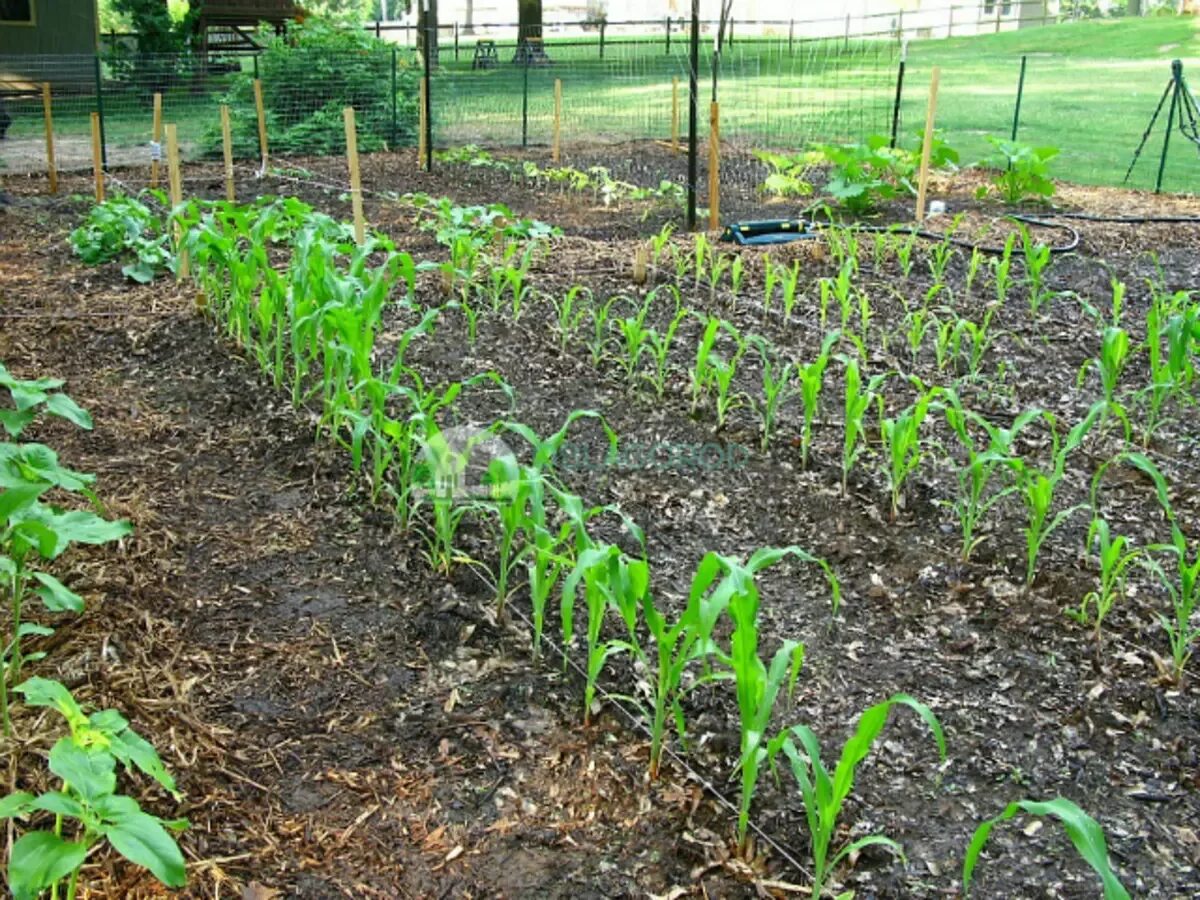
[
  {"x": 1023, "y": 171},
  {"x": 902, "y": 438},
  {"x": 1037, "y": 258},
  {"x": 862, "y": 174},
  {"x": 123, "y": 226},
  {"x": 85, "y": 763},
  {"x": 824, "y": 794},
  {"x": 812, "y": 379},
  {"x": 1114, "y": 559},
  {"x": 857, "y": 401},
  {"x": 786, "y": 176},
  {"x": 1085, "y": 833},
  {"x": 777, "y": 375}
]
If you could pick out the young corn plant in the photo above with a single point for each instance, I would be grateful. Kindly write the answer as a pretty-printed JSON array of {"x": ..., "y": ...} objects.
[
  {"x": 970, "y": 341},
  {"x": 1037, "y": 258},
  {"x": 570, "y": 312},
  {"x": 777, "y": 377},
  {"x": 902, "y": 438},
  {"x": 634, "y": 339},
  {"x": 812, "y": 379},
  {"x": 771, "y": 278},
  {"x": 1085, "y": 833},
  {"x": 973, "y": 265},
  {"x": 1110, "y": 363},
  {"x": 825, "y": 793},
  {"x": 598, "y": 343},
  {"x": 660, "y": 344},
  {"x": 904, "y": 253},
  {"x": 1114, "y": 556},
  {"x": 1036, "y": 488},
  {"x": 1162, "y": 383},
  {"x": 708, "y": 358},
  {"x": 757, "y": 684},
  {"x": 1002, "y": 270},
  {"x": 699, "y": 256},
  {"x": 789, "y": 279},
  {"x": 858, "y": 400},
  {"x": 974, "y": 476}
]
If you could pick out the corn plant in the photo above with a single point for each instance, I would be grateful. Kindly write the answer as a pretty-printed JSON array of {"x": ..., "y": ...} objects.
[
  {"x": 1085, "y": 833},
  {"x": 1110, "y": 364},
  {"x": 940, "y": 255},
  {"x": 570, "y": 312},
  {"x": 840, "y": 287},
  {"x": 1114, "y": 558},
  {"x": 902, "y": 438},
  {"x": 771, "y": 278},
  {"x": 598, "y": 343},
  {"x": 708, "y": 359},
  {"x": 86, "y": 807},
  {"x": 1002, "y": 270},
  {"x": 737, "y": 270},
  {"x": 918, "y": 322},
  {"x": 660, "y": 242},
  {"x": 973, "y": 265},
  {"x": 1162, "y": 382},
  {"x": 718, "y": 265},
  {"x": 904, "y": 253},
  {"x": 970, "y": 341},
  {"x": 858, "y": 400},
  {"x": 756, "y": 683},
  {"x": 824, "y": 793},
  {"x": 789, "y": 280},
  {"x": 1037, "y": 258},
  {"x": 974, "y": 476},
  {"x": 1036, "y": 488},
  {"x": 634, "y": 338},
  {"x": 660, "y": 344},
  {"x": 812, "y": 379},
  {"x": 699, "y": 255},
  {"x": 777, "y": 376}
]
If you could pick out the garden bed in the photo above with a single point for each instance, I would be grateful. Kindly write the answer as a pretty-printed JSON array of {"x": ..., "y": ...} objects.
[{"x": 344, "y": 721}]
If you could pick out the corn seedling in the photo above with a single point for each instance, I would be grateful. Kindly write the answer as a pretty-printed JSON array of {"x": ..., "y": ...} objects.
[
  {"x": 757, "y": 684},
  {"x": 917, "y": 324},
  {"x": 1037, "y": 488},
  {"x": 771, "y": 277},
  {"x": 857, "y": 401},
  {"x": 1085, "y": 833},
  {"x": 1114, "y": 558},
  {"x": 570, "y": 312},
  {"x": 706, "y": 354},
  {"x": 699, "y": 256},
  {"x": 812, "y": 379},
  {"x": 1110, "y": 364},
  {"x": 789, "y": 280},
  {"x": 825, "y": 793},
  {"x": 1037, "y": 258},
  {"x": 973, "y": 264},
  {"x": 777, "y": 376},
  {"x": 975, "y": 474},
  {"x": 970, "y": 341},
  {"x": 634, "y": 339},
  {"x": 659, "y": 243},
  {"x": 598, "y": 343},
  {"x": 1162, "y": 382},
  {"x": 940, "y": 255},
  {"x": 660, "y": 344},
  {"x": 86, "y": 807},
  {"x": 902, "y": 438},
  {"x": 737, "y": 270},
  {"x": 904, "y": 253},
  {"x": 1002, "y": 270}
]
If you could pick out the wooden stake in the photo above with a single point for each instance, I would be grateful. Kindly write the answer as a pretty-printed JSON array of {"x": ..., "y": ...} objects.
[
  {"x": 421, "y": 125},
  {"x": 227, "y": 146},
  {"x": 556, "y": 147},
  {"x": 360, "y": 225},
  {"x": 48, "y": 115},
  {"x": 714, "y": 167},
  {"x": 262, "y": 123},
  {"x": 927, "y": 144},
  {"x": 675, "y": 115},
  {"x": 156, "y": 149},
  {"x": 97, "y": 162},
  {"x": 175, "y": 183}
]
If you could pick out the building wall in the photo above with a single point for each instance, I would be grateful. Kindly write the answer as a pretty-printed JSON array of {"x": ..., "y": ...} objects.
[{"x": 61, "y": 27}]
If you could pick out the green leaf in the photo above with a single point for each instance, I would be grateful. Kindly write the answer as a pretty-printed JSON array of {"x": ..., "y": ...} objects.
[
  {"x": 56, "y": 596},
  {"x": 16, "y": 805},
  {"x": 39, "y": 691},
  {"x": 39, "y": 860},
  {"x": 60, "y": 804},
  {"x": 65, "y": 408},
  {"x": 141, "y": 839},
  {"x": 1085, "y": 833},
  {"x": 15, "y": 499},
  {"x": 89, "y": 770}
]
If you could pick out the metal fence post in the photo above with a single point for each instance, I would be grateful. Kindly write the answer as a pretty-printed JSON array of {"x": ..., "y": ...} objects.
[
  {"x": 100, "y": 113},
  {"x": 791, "y": 36},
  {"x": 1020, "y": 92},
  {"x": 899, "y": 94},
  {"x": 693, "y": 91},
  {"x": 668, "y": 35},
  {"x": 602, "y": 24},
  {"x": 456, "y": 41},
  {"x": 525, "y": 104},
  {"x": 430, "y": 37}
]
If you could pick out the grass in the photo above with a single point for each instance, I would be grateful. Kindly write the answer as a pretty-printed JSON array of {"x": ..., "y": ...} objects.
[{"x": 1090, "y": 89}]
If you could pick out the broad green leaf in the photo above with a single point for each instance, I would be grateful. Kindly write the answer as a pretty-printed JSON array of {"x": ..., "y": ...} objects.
[
  {"x": 56, "y": 596},
  {"x": 88, "y": 770},
  {"x": 65, "y": 408},
  {"x": 141, "y": 839},
  {"x": 39, "y": 691},
  {"x": 16, "y": 805},
  {"x": 38, "y": 860}
]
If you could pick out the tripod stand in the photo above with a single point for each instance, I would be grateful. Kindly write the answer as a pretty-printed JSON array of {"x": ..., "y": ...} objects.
[{"x": 1183, "y": 103}]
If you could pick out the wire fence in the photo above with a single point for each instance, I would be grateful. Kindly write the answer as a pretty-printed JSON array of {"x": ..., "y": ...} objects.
[{"x": 779, "y": 91}]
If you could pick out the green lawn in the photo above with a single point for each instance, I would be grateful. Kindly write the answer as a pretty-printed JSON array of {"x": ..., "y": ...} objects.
[{"x": 1091, "y": 88}]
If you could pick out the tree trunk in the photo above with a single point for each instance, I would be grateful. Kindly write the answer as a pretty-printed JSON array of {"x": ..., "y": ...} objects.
[{"x": 529, "y": 18}]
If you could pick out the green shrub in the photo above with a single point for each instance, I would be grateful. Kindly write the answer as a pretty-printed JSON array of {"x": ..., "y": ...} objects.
[{"x": 309, "y": 76}]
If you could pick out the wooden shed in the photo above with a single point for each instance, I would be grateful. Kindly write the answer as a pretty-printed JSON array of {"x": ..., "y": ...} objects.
[
  {"x": 229, "y": 25},
  {"x": 48, "y": 27}
]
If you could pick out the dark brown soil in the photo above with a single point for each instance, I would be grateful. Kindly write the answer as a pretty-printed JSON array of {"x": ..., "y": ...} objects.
[{"x": 346, "y": 723}]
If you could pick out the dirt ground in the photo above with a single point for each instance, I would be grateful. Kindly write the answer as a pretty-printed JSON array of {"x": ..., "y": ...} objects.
[{"x": 345, "y": 723}]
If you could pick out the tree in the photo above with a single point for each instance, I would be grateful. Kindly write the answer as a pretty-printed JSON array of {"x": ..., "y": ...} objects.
[{"x": 529, "y": 18}]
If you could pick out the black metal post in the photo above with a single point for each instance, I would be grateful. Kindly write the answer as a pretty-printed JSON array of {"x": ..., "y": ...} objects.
[
  {"x": 525, "y": 104},
  {"x": 255, "y": 66},
  {"x": 456, "y": 41},
  {"x": 791, "y": 36},
  {"x": 430, "y": 37},
  {"x": 693, "y": 96},
  {"x": 602, "y": 39},
  {"x": 896, "y": 104},
  {"x": 100, "y": 113},
  {"x": 1177, "y": 87},
  {"x": 1020, "y": 91},
  {"x": 668, "y": 35}
]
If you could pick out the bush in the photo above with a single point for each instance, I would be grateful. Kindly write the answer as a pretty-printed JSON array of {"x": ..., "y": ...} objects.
[{"x": 309, "y": 75}]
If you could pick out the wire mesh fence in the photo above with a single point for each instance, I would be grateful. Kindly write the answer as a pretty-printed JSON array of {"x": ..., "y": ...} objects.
[{"x": 780, "y": 91}]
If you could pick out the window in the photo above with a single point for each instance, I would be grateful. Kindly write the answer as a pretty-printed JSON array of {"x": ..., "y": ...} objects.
[
  {"x": 989, "y": 7},
  {"x": 16, "y": 12}
]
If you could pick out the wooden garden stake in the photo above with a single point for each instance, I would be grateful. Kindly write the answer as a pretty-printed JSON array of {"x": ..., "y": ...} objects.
[
  {"x": 156, "y": 138},
  {"x": 714, "y": 167},
  {"x": 48, "y": 116},
  {"x": 421, "y": 125},
  {"x": 227, "y": 147},
  {"x": 927, "y": 144},
  {"x": 262, "y": 123},
  {"x": 556, "y": 147},
  {"x": 97, "y": 158},
  {"x": 360, "y": 226},
  {"x": 675, "y": 115},
  {"x": 175, "y": 183},
  {"x": 641, "y": 262}
]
